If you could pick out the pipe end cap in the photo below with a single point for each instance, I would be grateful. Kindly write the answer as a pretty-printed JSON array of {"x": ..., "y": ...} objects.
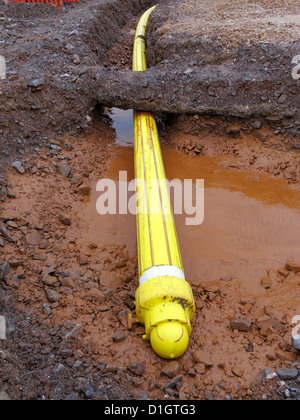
[{"x": 170, "y": 339}]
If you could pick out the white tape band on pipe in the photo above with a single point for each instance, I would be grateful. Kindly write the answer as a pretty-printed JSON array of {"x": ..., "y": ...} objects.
[{"x": 161, "y": 270}]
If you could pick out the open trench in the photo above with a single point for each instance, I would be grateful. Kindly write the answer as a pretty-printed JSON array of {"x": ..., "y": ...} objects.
[{"x": 69, "y": 275}]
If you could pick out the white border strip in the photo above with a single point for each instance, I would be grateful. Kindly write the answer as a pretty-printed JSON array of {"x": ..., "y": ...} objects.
[
  {"x": 2, "y": 328},
  {"x": 2, "y": 68},
  {"x": 161, "y": 270}
]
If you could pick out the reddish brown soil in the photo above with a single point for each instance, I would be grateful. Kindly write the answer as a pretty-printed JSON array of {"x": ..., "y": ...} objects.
[{"x": 78, "y": 274}]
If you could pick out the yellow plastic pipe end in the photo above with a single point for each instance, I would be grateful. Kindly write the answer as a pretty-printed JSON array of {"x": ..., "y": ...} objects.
[
  {"x": 170, "y": 339},
  {"x": 165, "y": 305}
]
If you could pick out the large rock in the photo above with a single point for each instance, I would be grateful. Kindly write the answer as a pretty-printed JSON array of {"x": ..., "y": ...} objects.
[
  {"x": 37, "y": 84},
  {"x": 201, "y": 356},
  {"x": 137, "y": 368},
  {"x": 6, "y": 234},
  {"x": 19, "y": 167},
  {"x": 52, "y": 296},
  {"x": 172, "y": 369},
  {"x": 65, "y": 170},
  {"x": 240, "y": 324},
  {"x": 296, "y": 337},
  {"x": 286, "y": 374}
]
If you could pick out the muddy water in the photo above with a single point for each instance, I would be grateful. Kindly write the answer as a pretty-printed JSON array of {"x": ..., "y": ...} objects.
[
  {"x": 123, "y": 126},
  {"x": 251, "y": 224}
]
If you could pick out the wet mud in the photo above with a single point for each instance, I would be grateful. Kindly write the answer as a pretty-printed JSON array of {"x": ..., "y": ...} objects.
[{"x": 78, "y": 270}]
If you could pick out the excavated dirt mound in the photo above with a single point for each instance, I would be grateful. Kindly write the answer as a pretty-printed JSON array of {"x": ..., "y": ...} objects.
[
  {"x": 68, "y": 277},
  {"x": 48, "y": 51},
  {"x": 211, "y": 57}
]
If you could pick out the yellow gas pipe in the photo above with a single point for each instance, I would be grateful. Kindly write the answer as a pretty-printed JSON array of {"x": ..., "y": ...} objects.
[{"x": 164, "y": 300}]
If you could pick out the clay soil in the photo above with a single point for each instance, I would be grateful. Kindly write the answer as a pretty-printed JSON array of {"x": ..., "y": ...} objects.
[{"x": 66, "y": 294}]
